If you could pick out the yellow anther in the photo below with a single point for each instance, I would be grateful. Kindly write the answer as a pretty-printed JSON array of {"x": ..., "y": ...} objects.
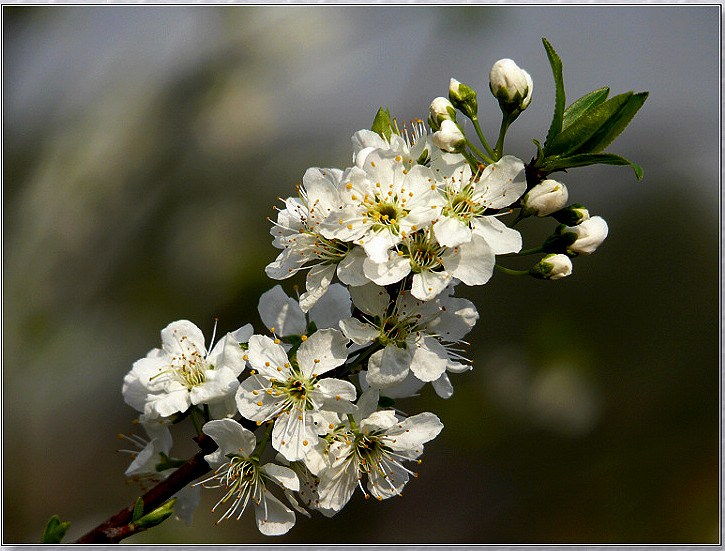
[{"x": 303, "y": 337}]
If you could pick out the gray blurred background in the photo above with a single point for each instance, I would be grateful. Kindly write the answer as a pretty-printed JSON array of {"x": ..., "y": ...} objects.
[{"x": 144, "y": 148}]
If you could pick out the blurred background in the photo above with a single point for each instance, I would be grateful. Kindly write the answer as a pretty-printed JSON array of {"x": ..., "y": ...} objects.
[{"x": 144, "y": 148}]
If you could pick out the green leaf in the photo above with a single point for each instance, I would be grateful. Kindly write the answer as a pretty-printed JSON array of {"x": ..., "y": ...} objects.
[
  {"x": 582, "y": 105},
  {"x": 597, "y": 119},
  {"x": 615, "y": 125},
  {"x": 586, "y": 159},
  {"x": 137, "y": 510},
  {"x": 55, "y": 530},
  {"x": 560, "y": 97},
  {"x": 155, "y": 517},
  {"x": 382, "y": 124}
]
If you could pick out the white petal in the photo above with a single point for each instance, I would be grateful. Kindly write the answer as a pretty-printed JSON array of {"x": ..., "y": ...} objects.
[
  {"x": 227, "y": 354},
  {"x": 219, "y": 385},
  {"x": 183, "y": 330},
  {"x": 337, "y": 485},
  {"x": 378, "y": 243},
  {"x": 335, "y": 305},
  {"x": 472, "y": 262},
  {"x": 443, "y": 386},
  {"x": 415, "y": 431},
  {"x": 501, "y": 182},
  {"x": 430, "y": 359},
  {"x": 265, "y": 356},
  {"x": 281, "y": 312},
  {"x": 370, "y": 299},
  {"x": 283, "y": 476},
  {"x": 243, "y": 333},
  {"x": 450, "y": 231},
  {"x": 498, "y": 235},
  {"x": 317, "y": 282},
  {"x": 165, "y": 405},
  {"x": 231, "y": 437},
  {"x": 254, "y": 402},
  {"x": 322, "y": 351},
  {"x": 388, "y": 366},
  {"x": 427, "y": 284},
  {"x": 335, "y": 395},
  {"x": 350, "y": 268},
  {"x": 359, "y": 332},
  {"x": 392, "y": 270},
  {"x": 294, "y": 437},
  {"x": 273, "y": 517}
]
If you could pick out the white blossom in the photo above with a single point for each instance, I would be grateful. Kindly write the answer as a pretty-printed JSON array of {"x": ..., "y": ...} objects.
[
  {"x": 376, "y": 446},
  {"x": 243, "y": 479},
  {"x": 469, "y": 196},
  {"x": 383, "y": 203},
  {"x": 294, "y": 392},
  {"x": 297, "y": 233},
  {"x": 416, "y": 337},
  {"x": 182, "y": 373}
]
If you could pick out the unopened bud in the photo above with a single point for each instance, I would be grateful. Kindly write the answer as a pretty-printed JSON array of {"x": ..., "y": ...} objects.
[
  {"x": 572, "y": 215},
  {"x": 511, "y": 85},
  {"x": 440, "y": 110},
  {"x": 463, "y": 98},
  {"x": 590, "y": 234},
  {"x": 449, "y": 138},
  {"x": 545, "y": 198},
  {"x": 552, "y": 266}
]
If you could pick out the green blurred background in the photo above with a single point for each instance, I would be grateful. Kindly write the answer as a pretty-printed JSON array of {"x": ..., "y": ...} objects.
[{"x": 146, "y": 146}]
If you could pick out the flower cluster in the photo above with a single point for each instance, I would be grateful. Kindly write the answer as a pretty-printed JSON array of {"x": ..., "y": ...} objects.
[{"x": 307, "y": 405}]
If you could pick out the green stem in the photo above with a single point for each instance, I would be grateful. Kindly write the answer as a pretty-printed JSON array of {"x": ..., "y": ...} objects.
[
  {"x": 262, "y": 445},
  {"x": 478, "y": 152},
  {"x": 353, "y": 425},
  {"x": 536, "y": 250},
  {"x": 505, "y": 123},
  {"x": 512, "y": 272},
  {"x": 195, "y": 421},
  {"x": 482, "y": 137},
  {"x": 362, "y": 356}
]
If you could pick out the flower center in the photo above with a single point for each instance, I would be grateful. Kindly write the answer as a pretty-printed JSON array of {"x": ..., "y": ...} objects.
[
  {"x": 460, "y": 204},
  {"x": 386, "y": 214},
  {"x": 425, "y": 254},
  {"x": 190, "y": 366}
]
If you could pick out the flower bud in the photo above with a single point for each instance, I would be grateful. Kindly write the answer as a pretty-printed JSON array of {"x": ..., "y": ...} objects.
[
  {"x": 590, "y": 234},
  {"x": 440, "y": 110},
  {"x": 572, "y": 215},
  {"x": 545, "y": 198},
  {"x": 577, "y": 240},
  {"x": 552, "y": 266},
  {"x": 449, "y": 137},
  {"x": 463, "y": 98},
  {"x": 511, "y": 85}
]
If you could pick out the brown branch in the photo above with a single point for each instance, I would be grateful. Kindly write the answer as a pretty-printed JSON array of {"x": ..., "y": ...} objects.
[{"x": 116, "y": 528}]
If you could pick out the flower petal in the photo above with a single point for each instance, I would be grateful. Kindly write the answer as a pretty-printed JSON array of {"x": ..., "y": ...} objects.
[
  {"x": 322, "y": 351},
  {"x": 388, "y": 366},
  {"x": 273, "y": 517},
  {"x": 281, "y": 312}
]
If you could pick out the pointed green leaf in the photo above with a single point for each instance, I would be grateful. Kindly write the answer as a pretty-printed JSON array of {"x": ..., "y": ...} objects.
[
  {"x": 560, "y": 96},
  {"x": 382, "y": 124},
  {"x": 55, "y": 530},
  {"x": 155, "y": 517},
  {"x": 137, "y": 510},
  {"x": 586, "y": 126},
  {"x": 583, "y": 104},
  {"x": 586, "y": 159},
  {"x": 614, "y": 126}
]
